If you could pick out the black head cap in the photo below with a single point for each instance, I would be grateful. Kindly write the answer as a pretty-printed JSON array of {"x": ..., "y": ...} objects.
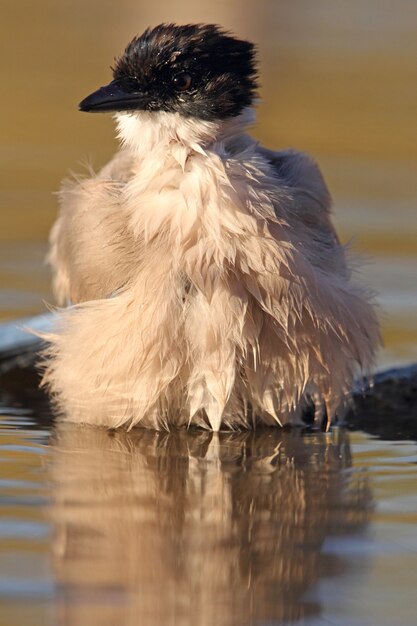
[{"x": 198, "y": 70}]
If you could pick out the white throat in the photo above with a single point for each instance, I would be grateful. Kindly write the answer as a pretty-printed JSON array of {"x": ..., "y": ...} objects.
[{"x": 142, "y": 131}]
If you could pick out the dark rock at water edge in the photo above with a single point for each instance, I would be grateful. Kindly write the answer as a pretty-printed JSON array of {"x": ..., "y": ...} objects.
[{"x": 387, "y": 408}]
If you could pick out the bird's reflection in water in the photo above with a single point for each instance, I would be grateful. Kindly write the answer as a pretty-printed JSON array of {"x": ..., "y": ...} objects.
[{"x": 192, "y": 528}]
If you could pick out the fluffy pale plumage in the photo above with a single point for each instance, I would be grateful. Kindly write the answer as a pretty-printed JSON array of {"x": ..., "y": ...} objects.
[{"x": 207, "y": 282}]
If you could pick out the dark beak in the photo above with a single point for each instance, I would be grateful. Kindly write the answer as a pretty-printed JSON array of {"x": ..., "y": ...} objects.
[{"x": 112, "y": 97}]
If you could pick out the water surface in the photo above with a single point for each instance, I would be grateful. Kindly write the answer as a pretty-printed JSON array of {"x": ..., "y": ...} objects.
[{"x": 193, "y": 528}]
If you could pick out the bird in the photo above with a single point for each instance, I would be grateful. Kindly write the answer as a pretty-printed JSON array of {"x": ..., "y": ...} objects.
[{"x": 198, "y": 275}]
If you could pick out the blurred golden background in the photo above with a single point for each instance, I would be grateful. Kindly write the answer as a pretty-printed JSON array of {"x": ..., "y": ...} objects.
[{"x": 339, "y": 80}]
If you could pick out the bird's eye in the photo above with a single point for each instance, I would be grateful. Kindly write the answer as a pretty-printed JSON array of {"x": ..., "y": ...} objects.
[{"x": 182, "y": 82}]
